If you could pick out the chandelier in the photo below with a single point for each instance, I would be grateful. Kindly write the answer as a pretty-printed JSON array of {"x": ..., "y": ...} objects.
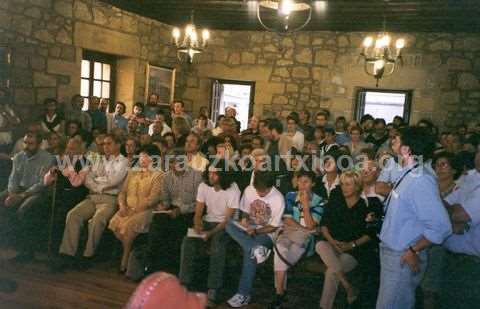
[
  {"x": 285, "y": 9},
  {"x": 380, "y": 59},
  {"x": 190, "y": 44}
]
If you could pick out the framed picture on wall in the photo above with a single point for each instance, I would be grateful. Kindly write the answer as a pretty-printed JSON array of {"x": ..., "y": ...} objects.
[{"x": 160, "y": 81}]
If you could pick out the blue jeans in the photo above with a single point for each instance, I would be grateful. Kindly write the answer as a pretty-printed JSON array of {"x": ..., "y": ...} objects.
[
  {"x": 398, "y": 282},
  {"x": 249, "y": 267}
]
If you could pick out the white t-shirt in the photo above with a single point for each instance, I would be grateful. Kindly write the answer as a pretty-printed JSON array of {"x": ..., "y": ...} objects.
[
  {"x": 217, "y": 202},
  {"x": 298, "y": 141},
  {"x": 263, "y": 211}
]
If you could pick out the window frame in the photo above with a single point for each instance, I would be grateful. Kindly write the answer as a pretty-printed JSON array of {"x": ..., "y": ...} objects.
[
  {"x": 361, "y": 95},
  {"x": 111, "y": 60}
]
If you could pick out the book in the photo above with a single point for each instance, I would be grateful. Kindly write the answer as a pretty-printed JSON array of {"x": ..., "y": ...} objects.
[
  {"x": 243, "y": 228},
  {"x": 161, "y": 211},
  {"x": 193, "y": 234}
]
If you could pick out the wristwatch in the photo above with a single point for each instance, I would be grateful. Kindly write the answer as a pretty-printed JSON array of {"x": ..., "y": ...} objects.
[{"x": 354, "y": 244}]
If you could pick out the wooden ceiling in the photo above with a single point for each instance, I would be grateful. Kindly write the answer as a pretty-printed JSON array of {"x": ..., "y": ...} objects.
[{"x": 333, "y": 15}]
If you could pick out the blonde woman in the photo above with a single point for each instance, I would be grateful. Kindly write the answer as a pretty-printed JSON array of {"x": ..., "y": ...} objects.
[
  {"x": 346, "y": 238},
  {"x": 136, "y": 201}
]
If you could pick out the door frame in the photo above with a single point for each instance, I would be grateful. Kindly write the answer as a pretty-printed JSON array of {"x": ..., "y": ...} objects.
[{"x": 235, "y": 82}]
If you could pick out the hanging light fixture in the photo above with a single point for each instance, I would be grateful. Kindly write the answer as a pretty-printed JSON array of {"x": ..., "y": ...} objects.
[
  {"x": 190, "y": 45},
  {"x": 380, "y": 59},
  {"x": 285, "y": 9}
]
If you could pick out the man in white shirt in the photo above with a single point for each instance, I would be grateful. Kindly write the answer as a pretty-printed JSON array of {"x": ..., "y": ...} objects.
[
  {"x": 262, "y": 206},
  {"x": 220, "y": 195},
  {"x": 104, "y": 181},
  {"x": 298, "y": 139},
  {"x": 158, "y": 126},
  {"x": 195, "y": 160}
]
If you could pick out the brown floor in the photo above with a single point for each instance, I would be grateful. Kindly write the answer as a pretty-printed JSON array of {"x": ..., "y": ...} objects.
[{"x": 103, "y": 288}]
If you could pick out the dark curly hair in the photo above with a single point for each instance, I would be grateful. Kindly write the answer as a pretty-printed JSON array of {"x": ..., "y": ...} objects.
[{"x": 222, "y": 170}]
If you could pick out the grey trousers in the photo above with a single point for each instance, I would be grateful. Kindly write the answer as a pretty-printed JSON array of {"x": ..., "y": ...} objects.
[
  {"x": 218, "y": 246},
  {"x": 97, "y": 209}
]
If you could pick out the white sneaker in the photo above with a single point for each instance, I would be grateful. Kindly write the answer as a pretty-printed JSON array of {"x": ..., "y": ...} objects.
[
  {"x": 238, "y": 301},
  {"x": 260, "y": 253}
]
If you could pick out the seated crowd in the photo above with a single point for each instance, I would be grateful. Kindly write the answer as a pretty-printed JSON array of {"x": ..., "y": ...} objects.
[{"x": 366, "y": 196}]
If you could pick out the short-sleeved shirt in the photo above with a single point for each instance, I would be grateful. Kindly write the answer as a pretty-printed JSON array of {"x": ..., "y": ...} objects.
[
  {"x": 218, "y": 202},
  {"x": 414, "y": 210},
  {"x": 263, "y": 211},
  {"x": 294, "y": 208}
]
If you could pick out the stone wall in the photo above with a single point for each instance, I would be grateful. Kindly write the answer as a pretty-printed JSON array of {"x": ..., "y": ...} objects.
[
  {"x": 323, "y": 69},
  {"x": 307, "y": 70}
]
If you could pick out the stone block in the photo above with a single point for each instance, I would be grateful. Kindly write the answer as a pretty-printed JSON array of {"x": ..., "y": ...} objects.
[
  {"x": 44, "y": 93},
  {"x": 440, "y": 45},
  {"x": 468, "y": 81},
  {"x": 105, "y": 40},
  {"x": 99, "y": 17},
  {"x": 282, "y": 72},
  {"x": 343, "y": 41},
  {"x": 23, "y": 96},
  {"x": 325, "y": 57},
  {"x": 44, "y": 80},
  {"x": 64, "y": 37},
  {"x": 451, "y": 97},
  {"x": 303, "y": 39},
  {"x": 21, "y": 77},
  {"x": 5, "y": 19},
  {"x": 304, "y": 55},
  {"x": 234, "y": 58},
  {"x": 54, "y": 51},
  {"x": 280, "y": 100},
  {"x": 319, "y": 73},
  {"x": 287, "y": 42},
  {"x": 291, "y": 88},
  {"x": 300, "y": 72},
  {"x": 468, "y": 44},
  {"x": 33, "y": 12},
  {"x": 44, "y": 36},
  {"x": 22, "y": 24},
  {"x": 283, "y": 62},
  {"x": 42, "y": 3},
  {"x": 270, "y": 48},
  {"x": 248, "y": 58},
  {"x": 62, "y": 67},
  {"x": 474, "y": 95},
  {"x": 220, "y": 55},
  {"x": 63, "y": 8},
  {"x": 38, "y": 63},
  {"x": 82, "y": 11},
  {"x": 459, "y": 64}
]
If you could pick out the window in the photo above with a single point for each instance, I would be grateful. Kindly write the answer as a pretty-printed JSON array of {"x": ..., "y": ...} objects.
[
  {"x": 97, "y": 77},
  {"x": 384, "y": 104}
]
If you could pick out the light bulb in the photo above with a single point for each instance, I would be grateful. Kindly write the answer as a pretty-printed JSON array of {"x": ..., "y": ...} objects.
[
  {"x": 205, "y": 35},
  {"x": 379, "y": 43},
  {"x": 286, "y": 7},
  {"x": 400, "y": 44},
  {"x": 193, "y": 36},
  {"x": 176, "y": 33},
  {"x": 368, "y": 41},
  {"x": 189, "y": 30},
  {"x": 386, "y": 41}
]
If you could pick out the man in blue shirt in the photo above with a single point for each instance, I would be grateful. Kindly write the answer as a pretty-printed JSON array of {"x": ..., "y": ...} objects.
[
  {"x": 415, "y": 218},
  {"x": 20, "y": 202},
  {"x": 464, "y": 209}
]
